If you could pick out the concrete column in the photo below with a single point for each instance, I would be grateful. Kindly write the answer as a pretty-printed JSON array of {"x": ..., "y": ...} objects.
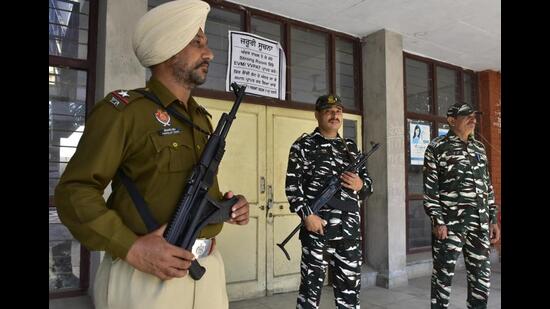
[
  {"x": 383, "y": 106},
  {"x": 117, "y": 66}
]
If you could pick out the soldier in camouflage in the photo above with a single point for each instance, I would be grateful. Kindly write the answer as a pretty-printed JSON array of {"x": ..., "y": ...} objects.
[
  {"x": 459, "y": 199},
  {"x": 332, "y": 236}
]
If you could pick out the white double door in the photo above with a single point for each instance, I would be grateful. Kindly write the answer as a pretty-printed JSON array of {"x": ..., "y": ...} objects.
[{"x": 254, "y": 165}]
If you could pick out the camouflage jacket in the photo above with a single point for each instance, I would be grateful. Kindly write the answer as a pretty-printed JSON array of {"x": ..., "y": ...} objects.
[
  {"x": 456, "y": 177},
  {"x": 313, "y": 159}
]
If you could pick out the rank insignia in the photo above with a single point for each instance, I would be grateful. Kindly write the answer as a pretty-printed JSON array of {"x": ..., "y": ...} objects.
[
  {"x": 123, "y": 93},
  {"x": 331, "y": 99},
  {"x": 119, "y": 96},
  {"x": 162, "y": 117},
  {"x": 114, "y": 101}
]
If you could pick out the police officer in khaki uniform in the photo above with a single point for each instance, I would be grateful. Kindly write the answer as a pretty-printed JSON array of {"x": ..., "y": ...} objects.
[{"x": 129, "y": 133}]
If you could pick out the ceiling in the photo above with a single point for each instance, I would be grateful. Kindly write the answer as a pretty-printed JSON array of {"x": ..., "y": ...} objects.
[{"x": 465, "y": 33}]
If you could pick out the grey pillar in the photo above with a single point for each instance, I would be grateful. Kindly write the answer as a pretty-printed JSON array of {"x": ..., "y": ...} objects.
[
  {"x": 117, "y": 66},
  {"x": 384, "y": 122}
]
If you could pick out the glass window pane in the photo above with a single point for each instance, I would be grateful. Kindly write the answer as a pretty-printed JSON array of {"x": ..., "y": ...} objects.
[
  {"x": 419, "y": 226},
  {"x": 309, "y": 70},
  {"x": 350, "y": 129},
  {"x": 345, "y": 84},
  {"x": 447, "y": 89},
  {"x": 469, "y": 89},
  {"x": 68, "y": 28},
  {"x": 266, "y": 29},
  {"x": 67, "y": 113},
  {"x": 218, "y": 24},
  {"x": 418, "y": 81},
  {"x": 64, "y": 256},
  {"x": 415, "y": 179},
  {"x": 419, "y": 133}
]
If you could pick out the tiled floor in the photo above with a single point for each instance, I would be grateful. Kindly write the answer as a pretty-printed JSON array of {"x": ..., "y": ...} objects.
[
  {"x": 413, "y": 296},
  {"x": 416, "y": 295}
]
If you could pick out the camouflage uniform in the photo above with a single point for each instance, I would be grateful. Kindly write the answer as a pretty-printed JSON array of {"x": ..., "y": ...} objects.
[
  {"x": 458, "y": 193},
  {"x": 312, "y": 161}
]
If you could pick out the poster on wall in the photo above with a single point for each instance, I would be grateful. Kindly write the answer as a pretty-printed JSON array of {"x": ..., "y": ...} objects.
[
  {"x": 258, "y": 63},
  {"x": 419, "y": 137}
]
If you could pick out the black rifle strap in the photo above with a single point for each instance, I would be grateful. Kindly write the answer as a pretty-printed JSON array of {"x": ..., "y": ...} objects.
[
  {"x": 151, "y": 96},
  {"x": 139, "y": 202}
]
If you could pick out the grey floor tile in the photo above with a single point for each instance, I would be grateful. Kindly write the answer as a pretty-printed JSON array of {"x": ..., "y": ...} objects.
[
  {"x": 81, "y": 302},
  {"x": 414, "y": 303},
  {"x": 415, "y": 295},
  {"x": 381, "y": 297},
  {"x": 247, "y": 305},
  {"x": 370, "y": 306},
  {"x": 420, "y": 291}
]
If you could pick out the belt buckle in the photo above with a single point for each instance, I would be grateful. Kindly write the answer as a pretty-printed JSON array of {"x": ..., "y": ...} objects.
[{"x": 201, "y": 247}]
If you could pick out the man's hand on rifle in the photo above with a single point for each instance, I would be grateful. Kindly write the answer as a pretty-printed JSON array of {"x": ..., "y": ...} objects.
[
  {"x": 351, "y": 181},
  {"x": 315, "y": 224},
  {"x": 240, "y": 211},
  {"x": 152, "y": 254}
]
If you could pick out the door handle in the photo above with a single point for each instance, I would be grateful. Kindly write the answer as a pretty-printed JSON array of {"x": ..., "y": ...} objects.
[
  {"x": 262, "y": 184},
  {"x": 269, "y": 197}
]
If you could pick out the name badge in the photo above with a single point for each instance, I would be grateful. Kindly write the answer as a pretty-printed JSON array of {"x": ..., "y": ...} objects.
[{"x": 169, "y": 131}]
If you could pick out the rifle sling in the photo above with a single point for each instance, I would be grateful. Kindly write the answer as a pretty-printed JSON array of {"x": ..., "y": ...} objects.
[{"x": 139, "y": 202}]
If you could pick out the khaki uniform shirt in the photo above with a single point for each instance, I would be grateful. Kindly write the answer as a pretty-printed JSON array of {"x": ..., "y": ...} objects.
[{"x": 157, "y": 151}]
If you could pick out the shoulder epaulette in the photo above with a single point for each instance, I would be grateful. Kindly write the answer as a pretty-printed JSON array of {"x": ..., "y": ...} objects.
[
  {"x": 350, "y": 141},
  {"x": 121, "y": 98},
  {"x": 204, "y": 110},
  {"x": 479, "y": 144},
  {"x": 302, "y": 137}
]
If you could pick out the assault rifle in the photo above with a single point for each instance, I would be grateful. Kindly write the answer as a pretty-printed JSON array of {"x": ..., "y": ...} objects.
[
  {"x": 195, "y": 208},
  {"x": 333, "y": 186}
]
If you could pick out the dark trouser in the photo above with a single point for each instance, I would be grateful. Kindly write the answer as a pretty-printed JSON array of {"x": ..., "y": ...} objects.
[
  {"x": 474, "y": 241},
  {"x": 344, "y": 259}
]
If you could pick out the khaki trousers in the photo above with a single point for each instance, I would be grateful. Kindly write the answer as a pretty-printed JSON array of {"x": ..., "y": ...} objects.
[{"x": 119, "y": 286}]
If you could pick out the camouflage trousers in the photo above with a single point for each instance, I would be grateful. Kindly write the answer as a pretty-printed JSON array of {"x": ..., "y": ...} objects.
[
  {"x": 474, "y": 241},
  {"x": 344, "y": 259}
]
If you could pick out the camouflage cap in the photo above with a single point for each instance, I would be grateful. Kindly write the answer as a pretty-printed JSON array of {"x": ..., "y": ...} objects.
[
  {"x": 328, "y": 101},
  {"x": 461, "y": 109}
]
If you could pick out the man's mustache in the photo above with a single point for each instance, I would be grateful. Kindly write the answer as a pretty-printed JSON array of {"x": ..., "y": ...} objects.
[
  {"x": 334, "y": 119},
  {"x": 202, "y": 63}
]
